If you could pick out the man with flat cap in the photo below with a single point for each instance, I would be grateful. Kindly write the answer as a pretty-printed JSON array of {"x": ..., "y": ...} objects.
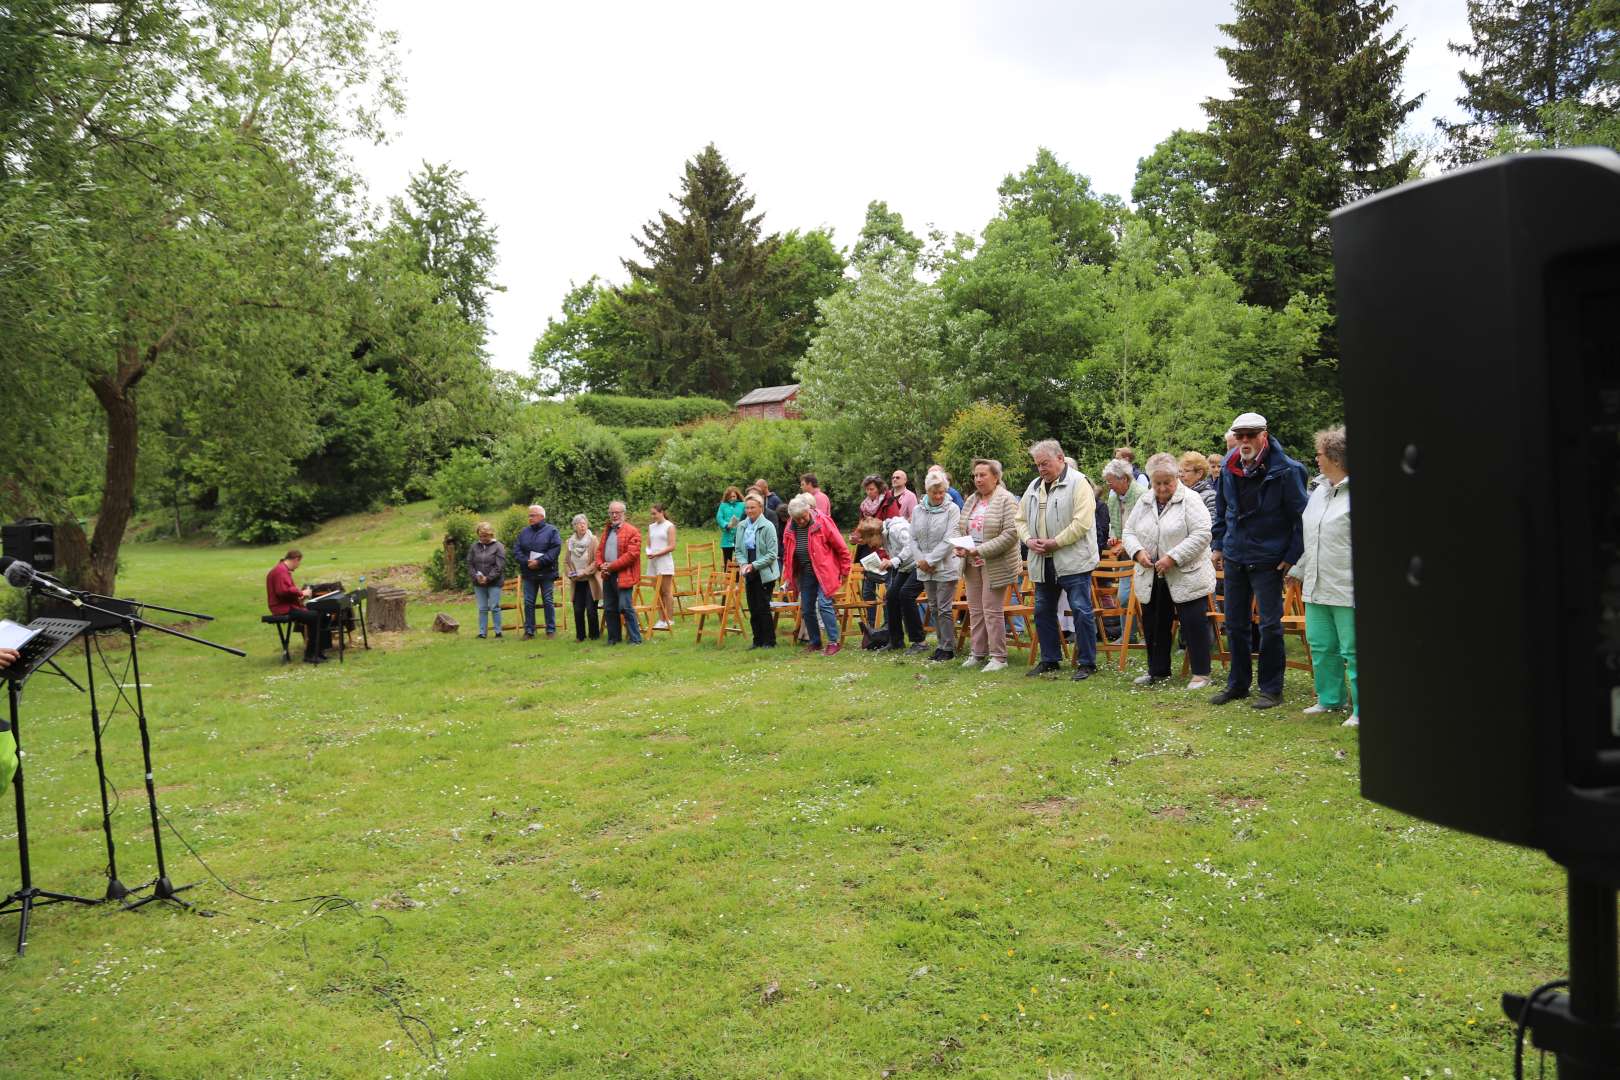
[{"x": 1258, "y": 535}]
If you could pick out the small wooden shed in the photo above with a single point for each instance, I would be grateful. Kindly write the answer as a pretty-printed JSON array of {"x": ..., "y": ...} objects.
[{"x": 770, "y": 403}]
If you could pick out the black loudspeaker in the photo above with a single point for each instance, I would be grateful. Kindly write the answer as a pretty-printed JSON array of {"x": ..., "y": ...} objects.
[
  {"x": 1479, "y": 321},
  {"x": 31, "y": 540}
]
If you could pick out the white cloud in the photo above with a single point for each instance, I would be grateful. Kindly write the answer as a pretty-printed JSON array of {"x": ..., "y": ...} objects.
[{"x": 572, "y": 121}]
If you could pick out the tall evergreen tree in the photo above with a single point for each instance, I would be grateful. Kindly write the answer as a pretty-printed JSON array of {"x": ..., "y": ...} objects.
[
  {"x": 709, "y": 299},
  {"x": 1315, "y": 106},
  {"x": 1532, "y": 57}
]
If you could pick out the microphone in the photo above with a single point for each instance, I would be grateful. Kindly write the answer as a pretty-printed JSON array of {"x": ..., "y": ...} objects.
[{"x": 23, "y": 576}]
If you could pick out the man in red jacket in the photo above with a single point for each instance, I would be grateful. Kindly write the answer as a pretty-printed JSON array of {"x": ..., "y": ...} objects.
[
  {"x": 619, "y": 555},
  {"x": 287, "y": 599}
]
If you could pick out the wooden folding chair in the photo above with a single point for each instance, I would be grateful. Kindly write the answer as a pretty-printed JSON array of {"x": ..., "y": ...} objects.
[
  {"x": 1293, "y": 621},
  {"x": 688, "y": 581},
  {"x": 1020, "y": 603},
  {"x": 1105, "y": 581},
  {"x": 704, "y": 556},
  {"x": 725, "y": 610},
  {"x": 646, "y": 605},
  {"x": 849, "y": 598}
]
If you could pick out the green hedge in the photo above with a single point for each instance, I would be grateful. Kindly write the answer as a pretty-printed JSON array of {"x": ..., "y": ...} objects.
[
  {"x": 618, "y": 412},
  {"x": 565, "y": 461},
  {"x": 643, "y": 443}
]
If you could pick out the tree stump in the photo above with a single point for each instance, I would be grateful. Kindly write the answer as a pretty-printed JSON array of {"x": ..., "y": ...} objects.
[
  {"x": 386, "y": 608},
  {"x": 444, "y": 624}
]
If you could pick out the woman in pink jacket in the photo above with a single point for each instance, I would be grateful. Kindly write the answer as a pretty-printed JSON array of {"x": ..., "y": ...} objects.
[{"x": 817, "y": 562}]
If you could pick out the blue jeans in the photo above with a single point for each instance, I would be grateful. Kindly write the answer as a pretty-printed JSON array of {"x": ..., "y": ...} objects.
[
  {"x": 543, "y": 586},
  {"x": 617, "y": 602},
  {"x": 1078, "y": 589},
  {"x": 813, "y": 602},
  {"x": 489, "y": 600},
  {"x": 1244, "y": 584}
]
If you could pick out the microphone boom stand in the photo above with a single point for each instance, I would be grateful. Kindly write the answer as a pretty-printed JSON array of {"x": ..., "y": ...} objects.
[{"x": 162, "y": 887}]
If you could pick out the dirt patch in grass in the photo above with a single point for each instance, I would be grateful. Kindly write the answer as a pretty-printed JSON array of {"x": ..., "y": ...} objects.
[
  {"x": 1169, "y": 813},
  {"x": 1050, "y": 808},
  {"x": 1241, "y": 802}
]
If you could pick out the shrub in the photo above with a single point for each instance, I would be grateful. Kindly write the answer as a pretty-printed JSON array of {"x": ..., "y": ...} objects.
[
  {"x": 641, "y": 486},
  {"x": 567, "y": 462},
  {"x": 468, "y": 480},
  {"x": 460, "y": 526},
  {"x": 986, "y": 430},
  {"x": 618, "y": 412},
  {"x": 697, "y": 465},
  {"x": 643, "y": 443}
]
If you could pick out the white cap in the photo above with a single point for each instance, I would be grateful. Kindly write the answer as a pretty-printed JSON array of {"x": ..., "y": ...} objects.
[{"x": 1249, "y": 421}]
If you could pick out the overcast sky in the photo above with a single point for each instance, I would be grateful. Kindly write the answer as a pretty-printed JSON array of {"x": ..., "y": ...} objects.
[{"x": 572, "y": 121}]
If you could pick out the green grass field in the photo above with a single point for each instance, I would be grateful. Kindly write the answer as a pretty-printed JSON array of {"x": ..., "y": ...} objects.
[{"x": 566, "y": 860}]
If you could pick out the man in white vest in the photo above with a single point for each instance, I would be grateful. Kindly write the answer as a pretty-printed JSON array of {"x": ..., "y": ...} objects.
[{"x": 1056, "y": 519}]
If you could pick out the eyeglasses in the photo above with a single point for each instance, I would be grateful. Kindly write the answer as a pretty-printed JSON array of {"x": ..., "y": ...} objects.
[{"x": 1245, "y": 434}]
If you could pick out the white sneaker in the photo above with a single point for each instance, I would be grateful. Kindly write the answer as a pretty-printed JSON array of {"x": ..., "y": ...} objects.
[
  {"x": 1354, "y": 721},
  {"x": 1318, "y": 709},
  {"x": 1198, "y": 682},
  {"x": 994, "y": 665},
  {"x": 661, "y": 624},
  {"x": 973, "y": 661},
  {"x": 1143, "y": 680}
]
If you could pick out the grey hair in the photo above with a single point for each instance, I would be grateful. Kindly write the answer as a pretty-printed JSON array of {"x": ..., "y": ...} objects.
[
  {"x": 538, "y": 507},
  {"x": 1047, "y": 448},
  {"x": 579, "y": 518},
  {"x": 991, "y": 463},
  {"x": 802, "y": 503},
  {"x": 1159, "y": 463},
  {"x": 620, "y": 504},
  {"x": 1330, "y": 444},
  {"x": 1118, "y": 467},
  {"x": 935, "y": 479}
]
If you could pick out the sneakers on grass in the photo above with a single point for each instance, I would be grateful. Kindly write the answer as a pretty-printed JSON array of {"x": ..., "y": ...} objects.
[
  {"x": 994, "y": 665},
  {"x": 1353, "y": 721},
  {"x": 1318, "y": 709},
  {"x": 974, "y": 661}
]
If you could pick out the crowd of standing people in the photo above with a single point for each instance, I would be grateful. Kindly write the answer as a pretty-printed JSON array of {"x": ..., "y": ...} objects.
[{"x": 1216, "y": 532}]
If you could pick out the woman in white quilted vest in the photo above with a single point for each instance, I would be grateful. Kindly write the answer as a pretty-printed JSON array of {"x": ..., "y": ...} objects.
[
  {"x": 1324, "y": 571},
  {"x": 1167, "y": 534}
]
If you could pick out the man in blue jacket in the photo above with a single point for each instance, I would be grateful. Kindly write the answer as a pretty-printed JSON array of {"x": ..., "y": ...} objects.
[
  {"x": 1258, "y": 535},
  {"x": 538, "y": 546}
]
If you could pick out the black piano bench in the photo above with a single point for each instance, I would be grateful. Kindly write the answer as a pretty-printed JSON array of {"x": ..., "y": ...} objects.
[{"x": 284, "y": 629}]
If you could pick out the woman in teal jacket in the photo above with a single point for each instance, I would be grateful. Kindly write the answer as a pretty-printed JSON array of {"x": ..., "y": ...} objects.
[
  {"x": 727, "y": 517},
  {"x": 760, "y": 562}
]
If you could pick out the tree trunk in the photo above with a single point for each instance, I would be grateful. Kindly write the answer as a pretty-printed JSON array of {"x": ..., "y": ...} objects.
[
  {"x": 72, "y": 552},
  {"x": 116, "y": 394},
  {"x": 386, "y": 608}
]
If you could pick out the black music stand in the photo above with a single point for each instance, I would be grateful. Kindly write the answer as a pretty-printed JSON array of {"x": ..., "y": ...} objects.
[
  {"x": 116, "y": 614},
  {"x": 57, "y": 634}
]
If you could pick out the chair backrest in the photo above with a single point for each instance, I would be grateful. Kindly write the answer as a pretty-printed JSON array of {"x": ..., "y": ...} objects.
[{"x": 709, "y": 552}]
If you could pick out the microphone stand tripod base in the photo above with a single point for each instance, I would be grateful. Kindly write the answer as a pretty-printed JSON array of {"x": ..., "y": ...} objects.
[{"x": 163, "y": 889}]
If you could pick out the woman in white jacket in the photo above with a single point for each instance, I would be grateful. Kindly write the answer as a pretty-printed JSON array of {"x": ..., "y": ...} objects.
[
  {"x": 939, "y": 567},
  {"x": 1167, "y": 534},
  {"x": 1324, "y": 571}
]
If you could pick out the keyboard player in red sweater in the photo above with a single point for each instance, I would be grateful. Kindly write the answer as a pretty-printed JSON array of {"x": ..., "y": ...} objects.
[{"x": 287, "y": 599}]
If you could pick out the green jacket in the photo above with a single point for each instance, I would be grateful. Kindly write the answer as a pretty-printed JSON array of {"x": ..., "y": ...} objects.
[
  {"x": 726, "y": 517},
  {"x": 1120, "y": 507},
  {"x": 767, "y": 554}
]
